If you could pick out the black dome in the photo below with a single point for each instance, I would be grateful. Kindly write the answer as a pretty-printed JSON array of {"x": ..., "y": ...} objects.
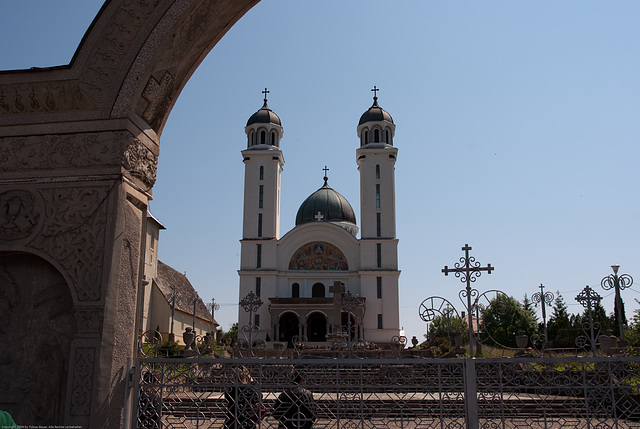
[
  {"x": 264, "y": 116},
  {"x": 375, "y": 113},
  {"x": 332, "y": 206}
]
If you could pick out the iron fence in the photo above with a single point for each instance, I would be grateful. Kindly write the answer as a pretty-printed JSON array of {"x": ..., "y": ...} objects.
[{"x": 387, "y": 393}]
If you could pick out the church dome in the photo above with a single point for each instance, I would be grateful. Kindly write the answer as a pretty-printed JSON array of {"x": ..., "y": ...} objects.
[
  {"x": 325, "y": 205},
  {"x": 375, "y": 113},
  {"x": 264, "y": 116}
]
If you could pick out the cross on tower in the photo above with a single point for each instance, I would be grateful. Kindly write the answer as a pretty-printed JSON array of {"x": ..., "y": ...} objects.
[
  {"x": 325, "y": 169},
  {"x": 375, "y": 92},
  {"x": 319, "y": 216},
  {"x": 265, "y": 92},
  {"x": 468, "y": 270}
]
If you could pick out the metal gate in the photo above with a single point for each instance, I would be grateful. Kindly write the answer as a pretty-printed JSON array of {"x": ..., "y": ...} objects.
[{"x": 386, "y": 393}]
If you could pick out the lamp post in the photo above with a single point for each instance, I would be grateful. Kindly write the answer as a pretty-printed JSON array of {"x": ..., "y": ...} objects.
[{"x": 618, "y": 283}]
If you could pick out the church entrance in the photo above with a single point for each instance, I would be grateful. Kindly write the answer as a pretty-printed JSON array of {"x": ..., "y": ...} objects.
[
  {"x": 317, "y": 327},
  {"x": 289, "y": 327}
]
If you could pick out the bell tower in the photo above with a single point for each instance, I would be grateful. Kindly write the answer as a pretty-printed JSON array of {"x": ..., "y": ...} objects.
[
  {"x": 376, "y": 158},
  {"x": 263, "y": 162}
]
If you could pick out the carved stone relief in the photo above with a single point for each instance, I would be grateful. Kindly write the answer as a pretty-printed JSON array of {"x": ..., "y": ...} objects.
[
  {"x": 73, "y": 234},
  {"x": 20, "y": 214},
  {"x": 120, "y": 32},
  {"x": 158, "y": 95},
  {"x": 82, "y": 384},
  {"x": 44, "y": 97},
  {"x": 79, "y": 150},
  {"x": 36, "y": 328}
]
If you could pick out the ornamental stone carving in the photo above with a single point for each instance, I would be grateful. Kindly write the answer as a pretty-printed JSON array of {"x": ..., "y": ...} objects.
[
  {"x": 140, "y": 163},
  {"x": 73, "y": 233},
  {"x": 19, "y": 214},
  {"x": 44, "y": 97},
  {"x": 82, "y": 384}
]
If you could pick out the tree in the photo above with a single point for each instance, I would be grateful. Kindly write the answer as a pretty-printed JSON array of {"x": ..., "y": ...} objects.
[
  {"x": 504, "y": 317},
  {"x": 632, "y": 335},
  {"x": 231, "y": 333},
  {"x": 559, "y": 326},
  {"x": 527, "y": 305},
  {"x": 447, "y": 327}
]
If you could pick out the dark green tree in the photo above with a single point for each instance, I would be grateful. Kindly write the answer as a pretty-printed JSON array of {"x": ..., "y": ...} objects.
[
  {"x": 632, "y": 335},
  {"x": 527, "y": 305},
  {"x": 504, "y": 317},
  {"x": 447, "y": 327},
  {"x": 232, "y": 333},
  {"x": 559, "y": 326}
]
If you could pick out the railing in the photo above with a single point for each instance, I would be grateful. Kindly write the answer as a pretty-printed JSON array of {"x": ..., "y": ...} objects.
[{"x": 387, "y": 393}]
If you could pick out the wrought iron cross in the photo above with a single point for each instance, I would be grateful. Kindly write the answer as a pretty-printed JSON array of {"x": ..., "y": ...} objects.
[
  {"x": 589, "y": 298},
  {"x": 265, "y": 92},
  {"x": 375, "y": 92},
  {"x": 468, "y": 270}
]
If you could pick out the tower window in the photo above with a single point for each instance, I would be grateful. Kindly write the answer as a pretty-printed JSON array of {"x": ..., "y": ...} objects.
[
  {"x": 252, "y": 138},
  {"x": 259, "y": 224},
  {"x": 295, "y": 290},
  {"x": 366, "y": 137},
  {"x": 259, "y": 256},
  {"x": 378, "y": 254},
  {"x": 377, "y": 171},
  {"x": 378, "y": 196},
  {"x": 258, "y": 285},
  {"x": 260, "y": 196},
  {"x": 263, "y": 137},
  {"x": 379, "y": 321},
  {"x": 378, "y": 228},
  {"x": 261, "y": 172},
  {"x": 387, "y": 135},
  {"x": 379, "y": 287},
  {"x": 376, "y": 135},
  {"x": 273, "y": 138}
]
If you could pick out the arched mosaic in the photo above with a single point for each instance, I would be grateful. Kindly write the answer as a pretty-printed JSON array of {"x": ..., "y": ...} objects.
[{"x": 318, "y": 256}]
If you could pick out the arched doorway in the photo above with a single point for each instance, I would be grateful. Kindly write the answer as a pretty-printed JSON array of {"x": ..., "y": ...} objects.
[
  {"x": 289, "y": 327},
  {"x": 317, "y": 327},
  {"x": 38, "y": 323}
]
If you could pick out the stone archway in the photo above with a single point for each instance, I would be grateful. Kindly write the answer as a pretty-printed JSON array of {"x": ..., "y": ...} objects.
[{"x": 78, "y": 157}]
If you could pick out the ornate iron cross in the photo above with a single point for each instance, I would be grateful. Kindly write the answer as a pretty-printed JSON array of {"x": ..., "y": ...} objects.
[{"x": 468, "y": 270}]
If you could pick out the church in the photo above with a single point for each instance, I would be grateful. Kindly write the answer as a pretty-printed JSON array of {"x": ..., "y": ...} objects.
[{"x": 298, "y": 275}]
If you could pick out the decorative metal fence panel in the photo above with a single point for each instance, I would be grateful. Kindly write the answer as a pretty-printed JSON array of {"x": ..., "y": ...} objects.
[{"x": 387, "y": 393}]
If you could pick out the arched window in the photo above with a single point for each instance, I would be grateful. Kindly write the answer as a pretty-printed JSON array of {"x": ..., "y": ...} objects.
[
  {"x": 273, "y": 138},
  {"x": 376, "y": 135},
  {"x": 263, "y": 137},
  {"x": 366, "y": 137},
  {"x": 317, "y": 291},
  {"x": 295, "y": 290},
  {"x": 377, "y": 171},
  {"x": 387, "y": 136},
  {"x": 261, "y": 172},
  {"x": 252, "y": 138}
]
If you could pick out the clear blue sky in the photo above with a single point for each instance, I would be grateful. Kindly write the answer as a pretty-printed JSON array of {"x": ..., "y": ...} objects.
[{"x": 517, "y": 130}]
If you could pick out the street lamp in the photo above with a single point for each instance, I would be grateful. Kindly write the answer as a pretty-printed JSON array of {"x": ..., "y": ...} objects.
[{"x": 617, "y": 282}]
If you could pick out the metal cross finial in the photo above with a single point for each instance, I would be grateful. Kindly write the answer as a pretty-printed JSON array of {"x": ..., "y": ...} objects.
[
  {"x": 589, "y": 298},
  {"x": 325, "y": 169},
  {"x": 265, "y": 92},
  {"x": 375, "y": 92},
  {"x": 468, "y": 270}
]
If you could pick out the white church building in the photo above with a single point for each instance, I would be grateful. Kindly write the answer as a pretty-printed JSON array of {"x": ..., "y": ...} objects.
[{"x": 296, "y": 275}]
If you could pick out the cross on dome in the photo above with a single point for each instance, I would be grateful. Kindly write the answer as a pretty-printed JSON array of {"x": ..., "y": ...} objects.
[
  {"x": 265, "y": 92},
  {"x": 326, "y": 179},
  {"x": 319, "y": 216},
  {"x": 375, "y": 92}
]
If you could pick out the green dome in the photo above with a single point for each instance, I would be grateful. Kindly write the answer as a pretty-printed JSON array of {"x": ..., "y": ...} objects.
[{"x": 325, "y": 205}]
